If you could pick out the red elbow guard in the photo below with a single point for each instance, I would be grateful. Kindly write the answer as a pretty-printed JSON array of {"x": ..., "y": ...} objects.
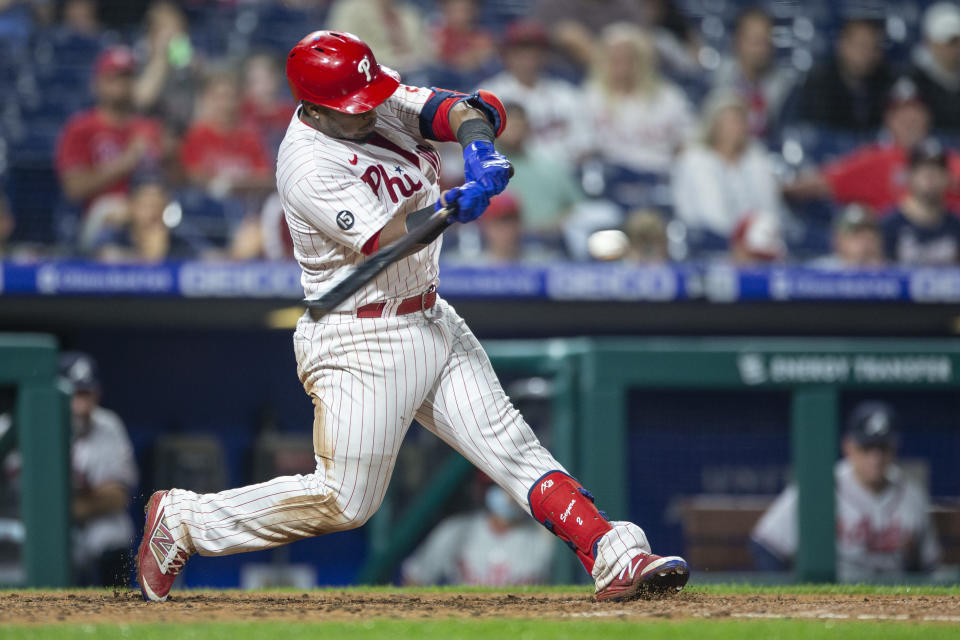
[
  {"x": 435, "y": 115},
  {"x": 559, "y": 503},
  {"x": 494, "y": 109}
]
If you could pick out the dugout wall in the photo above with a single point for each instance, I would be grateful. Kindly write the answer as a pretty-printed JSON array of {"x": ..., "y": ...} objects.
[{"x": 591, "y": 424}]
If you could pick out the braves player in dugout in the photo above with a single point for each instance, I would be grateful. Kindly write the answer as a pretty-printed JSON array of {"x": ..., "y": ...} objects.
[{"x": 356, "y": 171}]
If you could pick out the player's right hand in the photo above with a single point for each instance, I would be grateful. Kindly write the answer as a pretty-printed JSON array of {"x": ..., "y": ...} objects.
[{"x": 466, "y": 202}]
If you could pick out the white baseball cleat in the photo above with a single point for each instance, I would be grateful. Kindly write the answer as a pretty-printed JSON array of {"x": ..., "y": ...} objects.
[
  {"x": 647, "y": 574},
  {"x": 159, "y": 558}
]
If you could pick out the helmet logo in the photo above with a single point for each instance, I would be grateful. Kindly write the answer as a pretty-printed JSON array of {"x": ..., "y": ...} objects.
[{"x": 364, "y": 67}]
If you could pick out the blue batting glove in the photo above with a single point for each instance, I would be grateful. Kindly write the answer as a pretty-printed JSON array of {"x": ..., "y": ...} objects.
[
  {"x": 484, "y": 164},
  {"x": 467, "y": 202}
]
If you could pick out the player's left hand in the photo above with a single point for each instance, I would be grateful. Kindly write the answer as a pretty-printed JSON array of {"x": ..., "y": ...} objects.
[
  {"x": 485, "y": 165},
  {"x": 467, "y": 202}
]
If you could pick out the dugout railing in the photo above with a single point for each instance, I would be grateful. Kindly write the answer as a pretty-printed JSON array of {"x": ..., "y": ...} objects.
[
  {"x": 29, "y": 363},
  {"x": 590, "y": 421}
]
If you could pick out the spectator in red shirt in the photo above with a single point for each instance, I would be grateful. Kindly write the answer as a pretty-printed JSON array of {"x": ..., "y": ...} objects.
[
  {"x": 218, "y": 152},
  {"x": 459, "y": 44},
  {"x": 100, "y": 149},
  {"x": 876, "y": 175},
  {"x": 502, "y": 230},
  {"x": 266, "y": 107}
]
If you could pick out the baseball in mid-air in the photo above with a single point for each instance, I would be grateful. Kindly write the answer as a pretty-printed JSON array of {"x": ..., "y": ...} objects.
[{"x": 608, "y": 244}]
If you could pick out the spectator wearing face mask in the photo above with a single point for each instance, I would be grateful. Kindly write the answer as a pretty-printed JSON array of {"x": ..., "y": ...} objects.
[{"x": 496, "y": 546}]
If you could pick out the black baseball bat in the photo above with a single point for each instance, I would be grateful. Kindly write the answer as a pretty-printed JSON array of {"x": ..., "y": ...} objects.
[{"x": 376, "y": 263}]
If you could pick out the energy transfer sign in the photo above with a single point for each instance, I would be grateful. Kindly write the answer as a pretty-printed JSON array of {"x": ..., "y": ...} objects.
[{"x": 783, "y": 368}]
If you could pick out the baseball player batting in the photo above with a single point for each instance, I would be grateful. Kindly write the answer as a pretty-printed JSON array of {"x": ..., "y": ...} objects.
[{"x": 356, "y": 171}]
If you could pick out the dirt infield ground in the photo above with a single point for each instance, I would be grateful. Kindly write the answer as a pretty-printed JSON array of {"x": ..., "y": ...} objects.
[{"x": 103, "y": 607}]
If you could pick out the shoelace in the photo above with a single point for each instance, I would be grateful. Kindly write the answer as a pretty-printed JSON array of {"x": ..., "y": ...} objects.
[{"x": 175, "y": 564}]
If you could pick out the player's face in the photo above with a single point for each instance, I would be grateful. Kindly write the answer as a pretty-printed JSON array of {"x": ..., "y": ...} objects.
[
  {"x": 870, "y": 464},
  {"x": 82, "y": 404},
  {"x": 343, "y": 126}
]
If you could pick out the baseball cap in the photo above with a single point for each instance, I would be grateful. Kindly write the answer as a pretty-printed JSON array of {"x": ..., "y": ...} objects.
[
  {"x": 78, "y": 371},
  {"x": 941, "y": 22},
  {"x": 854, "y": 216},
  {"x": 904, "y": 91},
  {"x": 525, "y": 32},
  {"x": 929, "y": 151},
  {"x": 760, "y": 236},
  {"x": 872, "y": 424},
  {"x": 114, "y": 61},
  {"x": 503, "y": 205}
]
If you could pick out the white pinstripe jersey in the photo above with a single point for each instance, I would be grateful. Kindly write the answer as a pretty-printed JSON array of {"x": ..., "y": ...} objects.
[{"x": 336, "y": 194}]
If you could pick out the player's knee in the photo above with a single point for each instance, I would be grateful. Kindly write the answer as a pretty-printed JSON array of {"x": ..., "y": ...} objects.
[{"x": 357, "y": 514}]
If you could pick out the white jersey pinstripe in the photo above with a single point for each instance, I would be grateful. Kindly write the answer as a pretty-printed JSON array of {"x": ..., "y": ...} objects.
[
  {"x": 369, "y": 378},
  {"x": 336, "y": 194}
]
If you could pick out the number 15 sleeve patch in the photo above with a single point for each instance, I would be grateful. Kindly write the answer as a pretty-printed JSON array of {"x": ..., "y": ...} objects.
[{"x": 341, "y": 207}]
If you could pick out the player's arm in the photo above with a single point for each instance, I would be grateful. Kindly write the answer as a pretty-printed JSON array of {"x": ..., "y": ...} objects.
[
  {"x": 465, "y": 203},
  {"x": 82, "y": 182},
  {"x": 474, "y": 121},
  {"x": 773, "y": 541}
]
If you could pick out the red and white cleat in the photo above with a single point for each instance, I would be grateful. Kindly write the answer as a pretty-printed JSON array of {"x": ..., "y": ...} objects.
[
  {"x": 159, "y": 558},
  {"x": 647, "y": 574}
]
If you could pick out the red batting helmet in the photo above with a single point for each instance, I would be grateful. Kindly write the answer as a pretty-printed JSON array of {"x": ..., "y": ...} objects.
[{"x": 337, "y": 70}]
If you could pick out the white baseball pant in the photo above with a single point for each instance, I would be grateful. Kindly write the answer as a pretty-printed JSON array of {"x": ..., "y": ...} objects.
[{"x": 369, "y": 378}]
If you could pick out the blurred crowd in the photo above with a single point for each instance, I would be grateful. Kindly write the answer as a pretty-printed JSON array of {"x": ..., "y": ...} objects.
[{"x": 647, "y": 131}]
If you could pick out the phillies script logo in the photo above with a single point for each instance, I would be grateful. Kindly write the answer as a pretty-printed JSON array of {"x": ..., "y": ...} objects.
[
  {"x": 376, "y": 176},
  {"x": 364, "y": 67}
]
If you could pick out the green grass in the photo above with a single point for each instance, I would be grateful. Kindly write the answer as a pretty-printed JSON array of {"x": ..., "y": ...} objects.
[
  {"x": 494, "y": 629},
  {"x": 601, "y": 628}
]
